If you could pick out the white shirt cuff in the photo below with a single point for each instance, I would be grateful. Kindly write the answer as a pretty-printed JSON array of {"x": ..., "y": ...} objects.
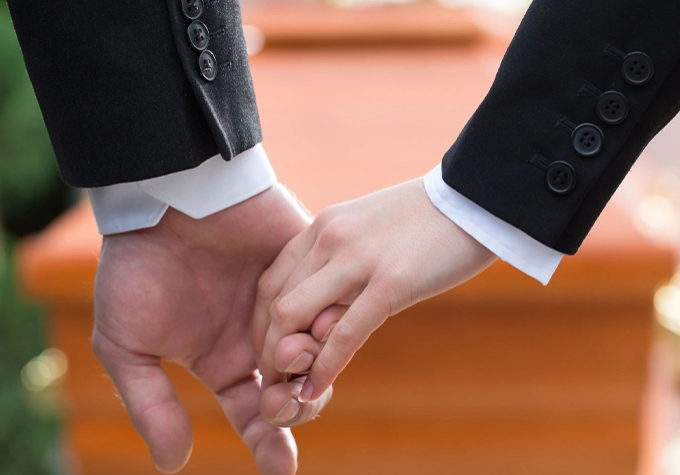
[
  {"x": 211, "y": 187},
  {"x": 506, "y": 241}
]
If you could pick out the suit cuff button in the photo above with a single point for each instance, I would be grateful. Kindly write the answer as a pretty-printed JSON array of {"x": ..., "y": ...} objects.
[
  {"x": 637, "y": 68},
  {"x": 612, "y": 107},
  {"x": 198, "y": 34},
  {"x": 207, "y": 64},
  {"x": 561, "y": 178},
  {"x": 192, "y": 9},
  {"x": 588, "y": 140}
]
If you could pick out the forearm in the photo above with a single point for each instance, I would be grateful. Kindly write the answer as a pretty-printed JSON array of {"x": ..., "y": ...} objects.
[
  {"x": 563, "y": 59},
  {"x": 122, "y": 92}
]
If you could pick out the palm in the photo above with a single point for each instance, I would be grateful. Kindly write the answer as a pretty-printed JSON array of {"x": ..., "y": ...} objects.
[{"x": 184, "y": 291}]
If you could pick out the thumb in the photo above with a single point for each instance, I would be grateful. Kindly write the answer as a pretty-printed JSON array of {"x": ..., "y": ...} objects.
[{"x": 151, "y": 400}]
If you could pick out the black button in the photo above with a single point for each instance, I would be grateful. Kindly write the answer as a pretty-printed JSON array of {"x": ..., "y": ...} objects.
[
  {"x": 208, "y": 65},
  {"x": 192, "y": 9},
  {"x": 561, "y": 178},
  {"x": 612, "y": 107},
  {"x": 198, "y": 35},
  {"x": 587, "y": 139},
  {"x": 638, "y": 68}
]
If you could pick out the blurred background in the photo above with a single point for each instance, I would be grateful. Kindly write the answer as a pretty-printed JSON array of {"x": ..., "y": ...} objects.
[{"x": 498, "y": 376}]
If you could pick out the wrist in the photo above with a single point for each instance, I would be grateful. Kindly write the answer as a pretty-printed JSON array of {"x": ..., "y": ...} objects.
[
  {"x": 454, "y": 256},
  {"x": 257, "y": 224}
]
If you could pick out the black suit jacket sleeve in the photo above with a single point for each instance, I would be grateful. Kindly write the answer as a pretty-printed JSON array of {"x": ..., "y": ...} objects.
[
  {"x": 526, "y": 155},
  {"x": 120, "y": 88}
]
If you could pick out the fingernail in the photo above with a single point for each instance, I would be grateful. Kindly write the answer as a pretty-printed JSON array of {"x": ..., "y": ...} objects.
[
  {"x": 306, "y": 392},
  {"x": 328, "y": 333},
  {"x": 288, "y": 413},
  {"x": 300, "y": 364},
  {"x": 155, "y": 462}
]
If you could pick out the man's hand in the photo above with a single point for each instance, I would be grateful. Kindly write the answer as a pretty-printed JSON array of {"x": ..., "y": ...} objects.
[
  {"x": 184, "y": 291},
  {"x": 356, "y": 265}
]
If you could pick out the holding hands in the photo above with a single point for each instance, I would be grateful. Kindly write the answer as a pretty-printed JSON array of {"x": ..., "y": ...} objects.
[
  {"x": 338, "y": 280},
  {"x": 186, "y": 291}
]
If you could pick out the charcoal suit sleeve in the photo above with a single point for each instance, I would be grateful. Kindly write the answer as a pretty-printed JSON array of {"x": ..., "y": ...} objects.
[
  {"x": 582, "y": 89},
  {"x": 137, "y": 90}
]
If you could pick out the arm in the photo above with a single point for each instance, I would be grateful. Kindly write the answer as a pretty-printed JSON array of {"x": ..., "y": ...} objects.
[
  {"x": 137, "y": 114},
  {"x": 583, "y": 87},
  {"x": 122, "y": 92},
  {"x": 568, "y": 63},
  {"x": 506, "y": 241}
]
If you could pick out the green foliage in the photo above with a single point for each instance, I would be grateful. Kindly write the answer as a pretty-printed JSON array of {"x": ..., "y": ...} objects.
[
  {"x": 28, "y": 435},
  {"x": 31, "y": 193}
]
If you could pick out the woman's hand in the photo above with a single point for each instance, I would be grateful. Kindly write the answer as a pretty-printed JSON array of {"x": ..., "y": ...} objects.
[{"x": 357, "y": 264}]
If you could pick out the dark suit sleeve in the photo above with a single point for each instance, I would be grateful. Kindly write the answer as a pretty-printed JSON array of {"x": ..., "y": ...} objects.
[
  {"x": 122, "y": 91},
  {"x": 582, "y": 89}
]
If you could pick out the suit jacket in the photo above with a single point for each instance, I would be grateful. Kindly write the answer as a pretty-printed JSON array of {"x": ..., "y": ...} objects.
[
  {"x": 127, "y": 94},
  {"x": 122, "y": 85},
  {"x": 582, "y": 89}
]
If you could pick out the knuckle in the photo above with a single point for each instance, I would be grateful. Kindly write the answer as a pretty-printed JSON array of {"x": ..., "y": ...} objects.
[
  {"x": 332, "y": 236},
  {"x": 265, "y": 286},
  {"x": 343, "y": 336},
  {"x": 281, "y": 312},
  {"x": 327, "y": 240},
  {"x": 324, "y": 367},
  {"x": 324, "y": 217}
]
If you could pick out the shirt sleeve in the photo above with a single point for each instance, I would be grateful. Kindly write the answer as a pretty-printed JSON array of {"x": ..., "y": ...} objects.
[
  {"x": 199, "y": 192},
  {"x": 506, "y": 241}
]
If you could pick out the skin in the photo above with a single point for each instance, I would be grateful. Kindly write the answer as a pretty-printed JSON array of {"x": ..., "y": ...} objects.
[
  {"x": 184, "y": 292},
  {"x": 357, "y": 264}
]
